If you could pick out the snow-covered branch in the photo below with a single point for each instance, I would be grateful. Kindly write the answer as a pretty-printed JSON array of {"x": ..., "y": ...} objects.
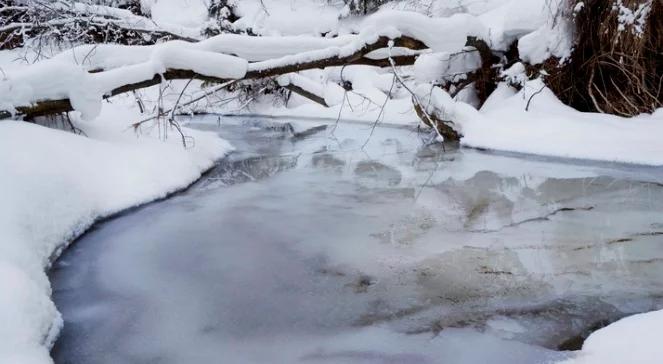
[{"x": 82, "y": 88}]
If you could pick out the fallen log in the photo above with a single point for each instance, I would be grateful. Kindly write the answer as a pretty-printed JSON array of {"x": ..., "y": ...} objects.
[{"x": 256, "y": 70}]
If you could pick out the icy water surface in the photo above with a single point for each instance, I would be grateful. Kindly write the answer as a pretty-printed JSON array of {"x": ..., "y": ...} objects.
[{"x": 304, "y": 247}]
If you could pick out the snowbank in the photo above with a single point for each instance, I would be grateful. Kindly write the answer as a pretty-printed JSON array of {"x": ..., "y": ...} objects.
[
  {"x": 635, "y": 339},
  {"x": 534, "y": 121},
  {"x": 53, "y": 186}
]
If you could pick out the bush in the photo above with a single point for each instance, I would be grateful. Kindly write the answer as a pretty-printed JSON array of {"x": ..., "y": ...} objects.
[{"x": 616, "y": 66}]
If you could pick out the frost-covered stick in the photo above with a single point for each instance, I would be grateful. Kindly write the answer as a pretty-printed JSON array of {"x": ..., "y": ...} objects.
[
  {"x": 160, "y": 108},
  {"x": 73, "y": 127},
  {"x": 363, "y": 97},
  {"x": 345, "y": 97},
  {"x": 430, "y": 175},
  {"x": 177, "y": 102},
  {"x": 176, "y": 125},
  {"x": 340, "y": 111},
  {"x": 377, "y": 119},
  {"x": 139, "y": 101},
  {"x": 171, "y": 117},
  {"x": 264, "y": 7},
  {"x": 415, "y": 98},
  {"x": 529, "y": 101}
]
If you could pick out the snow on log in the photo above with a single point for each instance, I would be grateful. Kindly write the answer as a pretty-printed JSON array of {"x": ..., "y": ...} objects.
[
  {"x": 253, "y": 49},
  {"x": 35, "y": 92},
  {"x": 65, "y": 87},
  {"x": 87, "y": 74},
  {"x": 439, "y": 34}
]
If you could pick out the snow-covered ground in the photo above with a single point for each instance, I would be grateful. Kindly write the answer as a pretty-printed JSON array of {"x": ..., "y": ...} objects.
[
  {"x": 635, "y": 339},
  {"x": 53, "y": 186}
]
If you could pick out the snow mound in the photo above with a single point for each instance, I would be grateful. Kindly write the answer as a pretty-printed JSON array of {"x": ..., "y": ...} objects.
[
  {"x": 635, "y": 339},
  {"x": 534, "y": 121}
]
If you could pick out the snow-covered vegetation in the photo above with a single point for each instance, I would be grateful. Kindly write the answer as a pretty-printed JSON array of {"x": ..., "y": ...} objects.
[{"x": 112, "y": 75}]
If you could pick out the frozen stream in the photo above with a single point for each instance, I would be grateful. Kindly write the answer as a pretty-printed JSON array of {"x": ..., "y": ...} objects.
[{"x": 309, "y": 249}]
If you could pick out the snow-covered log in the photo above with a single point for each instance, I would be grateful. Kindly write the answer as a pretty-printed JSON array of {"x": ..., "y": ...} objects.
[{"x": 34, "y": 93}]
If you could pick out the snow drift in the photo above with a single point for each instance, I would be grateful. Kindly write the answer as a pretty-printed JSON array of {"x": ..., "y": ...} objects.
[{"x": 54, "y": 186}]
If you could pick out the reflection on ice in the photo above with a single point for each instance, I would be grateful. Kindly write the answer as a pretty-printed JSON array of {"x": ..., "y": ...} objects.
[{"x": 310, "y": 248}]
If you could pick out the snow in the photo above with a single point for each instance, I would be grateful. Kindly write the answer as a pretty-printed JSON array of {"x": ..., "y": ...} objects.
[
  {"x": 446, "y": 8},
  {"x": 70, "y": 187},
  {"x": 445, "y": 66},
  {"x": 138, "y": 64},
  {"x": 504, "y": 123},
  {"x": 515, "y": 75},
  {"x": 182, "y": 17},
  {"x": 635, "y": 339},
  {"x": 251, "y": 49},
  {"x": 54, "y": 186},
  {"x": 270, "y": 47},
  {"x": 364, "y": 103},
  {"x": 512, "y": 20},
  {"x": 634, "y": 19},
  {"x": 300, "y": 19},
  {"x": 205, "y": 63},
  {"x": 188, "y": 13},
  {"x": 85, "y": 90},
  {"x": 306, "y": 84},
  {"x": 455, "y": 28},
  {"x": 167, "y": 15},
  {"x": 292, "y": 17},
  {"x": 551, "y": 39},
  {"x": 549, "y": 127}
]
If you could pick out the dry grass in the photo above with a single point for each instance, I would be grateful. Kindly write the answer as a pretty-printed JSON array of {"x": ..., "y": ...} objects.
[{"x": 614, "y": 69}]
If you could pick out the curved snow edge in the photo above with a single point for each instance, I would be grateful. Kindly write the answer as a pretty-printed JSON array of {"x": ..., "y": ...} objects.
[
  {"x": 55, "y": 186},
  {"x": 634, "y": 339}
]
